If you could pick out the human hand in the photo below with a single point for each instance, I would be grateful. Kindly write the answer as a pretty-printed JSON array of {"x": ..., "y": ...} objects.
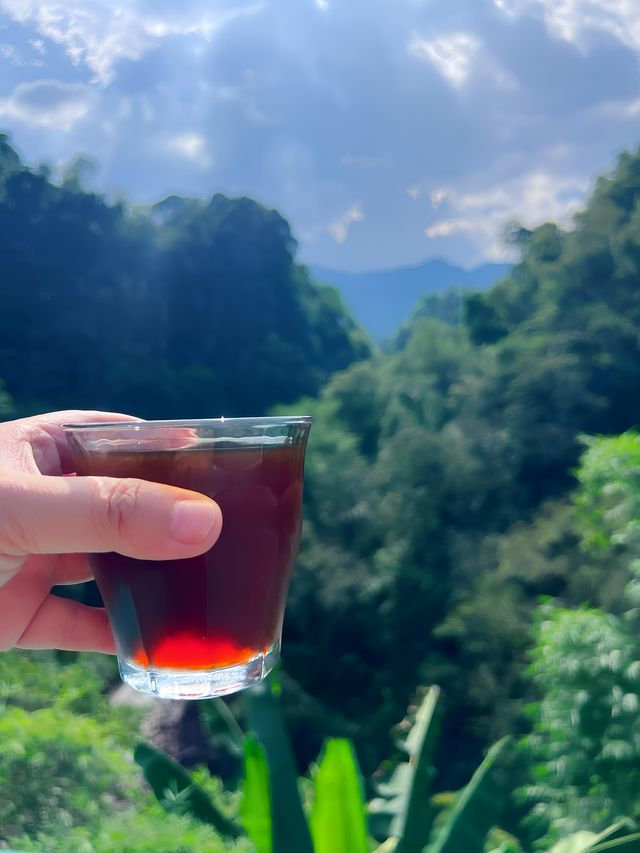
[{"x": 49, "y": 522}]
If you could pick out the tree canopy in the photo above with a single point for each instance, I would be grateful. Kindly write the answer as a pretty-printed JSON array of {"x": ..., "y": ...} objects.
[
  {"x": 488, "y": 459},
  {"x": 188, "y": 309}
]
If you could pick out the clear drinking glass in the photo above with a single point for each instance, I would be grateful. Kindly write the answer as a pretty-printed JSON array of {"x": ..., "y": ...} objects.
[{"x": 209, "y": 625}]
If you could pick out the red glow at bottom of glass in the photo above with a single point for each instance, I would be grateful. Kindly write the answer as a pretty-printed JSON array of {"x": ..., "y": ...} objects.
[{"x": 189, "y": 652}]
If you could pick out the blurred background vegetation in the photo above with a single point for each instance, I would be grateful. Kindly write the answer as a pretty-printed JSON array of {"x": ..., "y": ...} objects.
[{"x": 472, "y": 514}]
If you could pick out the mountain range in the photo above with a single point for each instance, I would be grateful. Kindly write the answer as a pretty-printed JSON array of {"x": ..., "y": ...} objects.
[{"x": 381, "y": 300}]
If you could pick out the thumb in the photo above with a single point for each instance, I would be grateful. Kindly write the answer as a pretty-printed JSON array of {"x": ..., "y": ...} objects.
[{"x": 150, "y": 521}]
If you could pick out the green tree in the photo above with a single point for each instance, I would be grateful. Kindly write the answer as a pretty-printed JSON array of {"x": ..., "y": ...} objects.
[
  {"x": 187, "y": 309},
  {"x": 445, "y": 509},
  {"x": 585, "y": 743}
]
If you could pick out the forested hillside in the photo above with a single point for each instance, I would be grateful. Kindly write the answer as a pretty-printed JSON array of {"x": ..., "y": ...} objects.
[
  {"x": 439, "y": 484},
  {"x": 188, "y": 309},
  {"x": 471, "y": 499}
]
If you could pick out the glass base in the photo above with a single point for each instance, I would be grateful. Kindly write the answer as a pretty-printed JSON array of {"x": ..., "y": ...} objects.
[{"x": 199, "y": 683}]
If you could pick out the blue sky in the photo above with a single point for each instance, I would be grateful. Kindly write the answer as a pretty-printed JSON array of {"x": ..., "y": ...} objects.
[{"x": 386, "y": 131}]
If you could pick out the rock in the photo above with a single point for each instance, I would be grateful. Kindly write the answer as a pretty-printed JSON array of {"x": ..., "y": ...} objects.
[
  {"x": 175, "y": 727},
  {"x": 170, "y": 725}
]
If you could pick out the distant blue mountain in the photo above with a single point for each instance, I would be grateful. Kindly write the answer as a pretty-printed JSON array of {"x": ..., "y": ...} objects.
[{"x": 382, "y": 300}]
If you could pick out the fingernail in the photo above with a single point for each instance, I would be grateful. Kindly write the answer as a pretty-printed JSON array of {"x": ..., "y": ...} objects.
[{"x": 193, "y": 521}]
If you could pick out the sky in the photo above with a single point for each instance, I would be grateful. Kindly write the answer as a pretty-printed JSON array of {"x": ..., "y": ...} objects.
[{"x": 387, "y": 132}]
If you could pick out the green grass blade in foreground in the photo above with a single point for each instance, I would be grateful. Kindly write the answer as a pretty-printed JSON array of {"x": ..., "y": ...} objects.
[
  {"x": 578, "y": 842},
  {"x": 290, "y": 830},
  {"x": 338, "y": 817},
  {"x": 587, "y": 842},
  {"x": 628, "y": 844},
  {"x": 415, "y": 818},
  {"x": 168, "y": 778},
  {"x": 476, "y": 809},
  {"x": 217, "y": 718},
  {"x": 255, "y": 809},
  {"x": 387, "y": 846}
]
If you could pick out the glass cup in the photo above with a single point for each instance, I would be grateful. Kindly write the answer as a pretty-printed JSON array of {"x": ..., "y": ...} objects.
[{"x": 209, "y": 625}]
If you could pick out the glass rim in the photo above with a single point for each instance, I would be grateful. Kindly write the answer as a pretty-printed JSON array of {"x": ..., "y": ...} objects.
[{"x": 195, "y": 423}]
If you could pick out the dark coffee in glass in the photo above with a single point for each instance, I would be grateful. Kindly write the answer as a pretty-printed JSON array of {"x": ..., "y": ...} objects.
[{"x": 208, "y": 625}]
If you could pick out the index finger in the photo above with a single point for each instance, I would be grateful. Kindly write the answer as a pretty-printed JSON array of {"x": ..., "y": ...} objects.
[{"x": 38, "y": 444}]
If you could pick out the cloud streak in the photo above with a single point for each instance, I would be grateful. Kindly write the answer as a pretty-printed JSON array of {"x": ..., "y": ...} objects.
[
  {"x": 530, "y": 199},
  {"x": 340, "y": 227},
  {"x": 451, "y": 55},
  {"x": 575, "y": 20},
  {"x": 47, "y": 104},
  {"x": 10, "y": 53},
  {"x": 192, "y": 146},
  {"x": 101, "y": 34}
]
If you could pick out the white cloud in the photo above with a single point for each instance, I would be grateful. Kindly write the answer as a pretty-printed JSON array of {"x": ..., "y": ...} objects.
[
  {"x": 38, "y": 45},
  {"x": 192, "y": 146},
  {"x": 340, "y": 227},
  {"x": 614, "y": 110},
  {"x": 437, "y": 197},
  {"x": 47, "y": 103},
  {"x": 10, "y": 53},
  {"x": 451, "y": 55},
  {"x": 459, "y": 55},
  {"x": 530, "y": 199},
  {"x": 99, "y": 34},
  {"x": 445, "y": 228},
  {"x": 206, "y": 25},
  {"x": 571, "y": 20}
]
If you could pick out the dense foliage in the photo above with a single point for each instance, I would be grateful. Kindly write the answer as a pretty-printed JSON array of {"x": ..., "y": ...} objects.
[
  {"x": 585, "y": 739},
  {"x": 450, "y": 484},
  {"x": 440, "y": 479},
  {"x": 186, "y": 309}
]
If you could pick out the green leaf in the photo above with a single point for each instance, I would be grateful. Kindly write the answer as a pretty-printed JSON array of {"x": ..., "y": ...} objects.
[
  {"x": 166, "y": 776},
  {"x": 476, "y": 809},
  {"x": 222, "y": 712},
  {"x": 589, "y": 842},
  {"x": 290, "y": 830},
  {"x": 404, "y": 809},
  {"x": 500, "y": 841},
  {"x": 388, "y": 846},
  {"x": 338, "y": 817},
  {"x": 416, "y": 814},
  {"x": 621, "y": 829},
  {"x": 627, "y": 844},
  {"x": 255, "y": 809},
  {"x": 579, "y": 842},
  {"x": 507, "y": 847}
]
